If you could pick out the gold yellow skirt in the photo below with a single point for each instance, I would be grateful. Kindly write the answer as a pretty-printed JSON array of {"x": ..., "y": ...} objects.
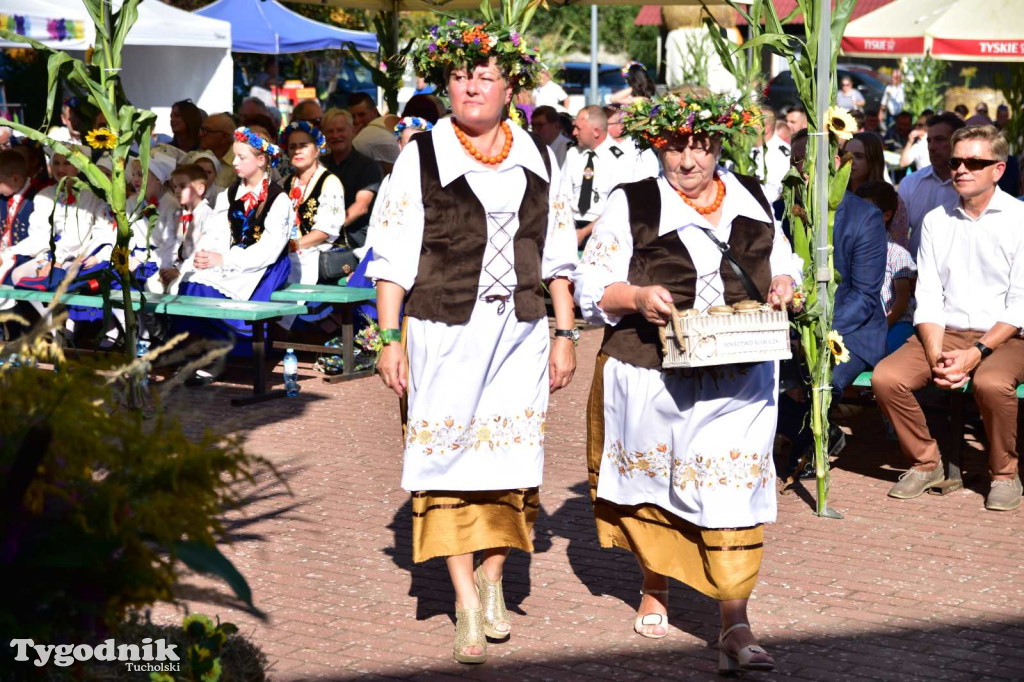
[
  {"x": 723, "y": 563},
  {"x": 460, "y": 522}
]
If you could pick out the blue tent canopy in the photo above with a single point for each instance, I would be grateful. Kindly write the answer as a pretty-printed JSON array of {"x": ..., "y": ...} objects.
[{"x": 267, "y": 27}]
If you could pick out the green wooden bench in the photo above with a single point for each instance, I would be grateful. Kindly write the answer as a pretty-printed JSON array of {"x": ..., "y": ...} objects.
[
  {"x": 257, "y": 312},
  {"x": 346, "y": 300},
  {"x": 953, "y": 452}
]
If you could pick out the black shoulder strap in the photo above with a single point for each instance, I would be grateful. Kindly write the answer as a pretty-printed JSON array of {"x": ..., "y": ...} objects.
[{"x": 748, "y": 284}]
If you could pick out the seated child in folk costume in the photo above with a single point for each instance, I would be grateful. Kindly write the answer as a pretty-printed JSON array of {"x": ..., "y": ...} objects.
[
  {"x": 66, "y": 215},
  {"x": 17, "y": 198},
  {"x": 210, "y": 164},
  {"x": 180, "y": 235},
  {"x": 243, "y": 253}
]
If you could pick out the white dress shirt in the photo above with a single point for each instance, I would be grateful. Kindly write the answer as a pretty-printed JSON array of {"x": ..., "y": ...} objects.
[
  {"x": 923, "y": 191},
  {"x": 776, "y": 165},
  {"x": 645, "y": 161},
  {"x": 970, "y": 273},
  {"x": 550, "y": 94},
  {"x": 612, "y": 166}
]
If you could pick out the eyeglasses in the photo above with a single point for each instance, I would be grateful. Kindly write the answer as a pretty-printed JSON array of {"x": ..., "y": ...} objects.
[{"x": 972, "y": 164}]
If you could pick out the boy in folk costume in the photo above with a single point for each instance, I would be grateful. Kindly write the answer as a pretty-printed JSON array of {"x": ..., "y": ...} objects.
[
  {"x": 680, "y": 464},
  {"x": 179, "y": 236},
  {"x": 475, "y": 362},
  {"x": 17, "y": 198}
]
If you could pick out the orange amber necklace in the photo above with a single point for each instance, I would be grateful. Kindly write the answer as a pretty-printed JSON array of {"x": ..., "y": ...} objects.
[
  {"x": 489, "y": 160},
  {"x": 713, "y": 206}
]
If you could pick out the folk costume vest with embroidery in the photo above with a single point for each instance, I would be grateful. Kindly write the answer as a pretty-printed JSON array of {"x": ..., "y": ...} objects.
[
  {"x": 308, "y": 208},
  {"x": 19, "y": 228},
  {"x": 247, "y": 231},
  {"x": 666, "y": 261},
  {"x": 455, "y": 238}
]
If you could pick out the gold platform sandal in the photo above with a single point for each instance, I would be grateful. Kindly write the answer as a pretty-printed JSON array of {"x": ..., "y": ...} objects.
[
  {"x": 469, "y": 631},
  {"x": 492, "y": 601},
  {"x": 744, "y": 659},
  {"x": 651, "y": 619}
]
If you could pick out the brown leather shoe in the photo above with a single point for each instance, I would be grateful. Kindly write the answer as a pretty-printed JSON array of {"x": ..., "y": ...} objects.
[
  {"x": 913, "y": 482},
  {"x": 1004, "y": 495}
]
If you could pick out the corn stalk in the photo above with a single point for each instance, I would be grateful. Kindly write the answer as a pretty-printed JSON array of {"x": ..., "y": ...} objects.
[
  {"x": 808, "y": 199},
  {"x": 389, "y": 71},
  {"x": 97, "y": 79}
]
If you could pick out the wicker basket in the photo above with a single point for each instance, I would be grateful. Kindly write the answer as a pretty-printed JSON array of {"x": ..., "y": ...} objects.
[{"x": 694, "y": 340}]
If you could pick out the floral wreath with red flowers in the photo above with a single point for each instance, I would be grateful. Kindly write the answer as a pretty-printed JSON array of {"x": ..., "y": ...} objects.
[
  {"x": 247, "y": 136},
  {"x": 458, "y": 44},
  {"x": 653, "y": 122}
]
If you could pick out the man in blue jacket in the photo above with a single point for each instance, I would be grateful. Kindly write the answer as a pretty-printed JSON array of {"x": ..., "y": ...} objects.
[{"x": 859, "y": 253}]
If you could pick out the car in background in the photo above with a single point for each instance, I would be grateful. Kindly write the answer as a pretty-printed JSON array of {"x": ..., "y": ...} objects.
[
  {"x": 780, "y": 94},
  {"x": 574, "y": 77}
]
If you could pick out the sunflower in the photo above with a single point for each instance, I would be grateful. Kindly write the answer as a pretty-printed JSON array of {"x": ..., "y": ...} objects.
[
  {"x": 101, "y": 138},
  {"x": 119, "y": 258},
  {"x": 841, "y": 124},
  {"x": 835, "y": 344}
]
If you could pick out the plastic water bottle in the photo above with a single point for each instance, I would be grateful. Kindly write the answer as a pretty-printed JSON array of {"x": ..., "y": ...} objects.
[
  {"x": 291, "y": 373},
  {"x": 141, "y": 348}
]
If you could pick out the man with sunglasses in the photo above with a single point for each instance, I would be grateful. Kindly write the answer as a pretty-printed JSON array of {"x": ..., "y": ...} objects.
[
  {"x": 932, "y": 186},
  {"x": 970, "y": 308}
]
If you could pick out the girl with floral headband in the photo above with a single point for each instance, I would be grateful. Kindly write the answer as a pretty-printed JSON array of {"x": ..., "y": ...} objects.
[
  {"x": 243, "y": 255},
  {"x": 682, "y": 471},
  {"x": 474, "y": 363},
  {"x": 318, "y": 201}
]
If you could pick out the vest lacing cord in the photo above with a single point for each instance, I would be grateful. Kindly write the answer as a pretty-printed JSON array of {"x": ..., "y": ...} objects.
[{"x": 500, "y": 239}]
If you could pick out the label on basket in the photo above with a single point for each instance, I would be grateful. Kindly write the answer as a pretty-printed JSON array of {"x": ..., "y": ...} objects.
[{"x": 751, "y": 341}]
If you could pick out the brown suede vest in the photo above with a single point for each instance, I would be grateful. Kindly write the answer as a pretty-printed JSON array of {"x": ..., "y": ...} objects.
[
  {"x": 665, "y": 260},
  {"x": 454, "y": 239}
]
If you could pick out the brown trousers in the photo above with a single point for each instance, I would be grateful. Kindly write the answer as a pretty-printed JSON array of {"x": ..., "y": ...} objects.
[{"x": 995, "y": 390}]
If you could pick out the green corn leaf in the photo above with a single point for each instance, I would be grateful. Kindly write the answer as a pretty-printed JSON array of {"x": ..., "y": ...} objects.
[
  {"x": 207, "y": 559},
  {"x": 837, "y": 185},
  {"x": 840, "y": 18},
  {"x": 126, "y": 18},
  {"x": 95, "y": 9},
  {"x": 774, "y": 41}
]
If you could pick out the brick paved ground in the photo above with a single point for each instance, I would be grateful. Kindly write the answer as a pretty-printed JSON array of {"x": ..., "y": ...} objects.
[{"x": 931, "y": 588}]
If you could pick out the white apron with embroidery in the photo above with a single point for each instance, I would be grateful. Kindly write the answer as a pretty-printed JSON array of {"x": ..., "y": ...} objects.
[
  {"x": 478, "y": 392},
  {"x": 698, "y": 446}
]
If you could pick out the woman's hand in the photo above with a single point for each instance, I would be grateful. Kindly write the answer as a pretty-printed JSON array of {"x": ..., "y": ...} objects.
[
  {"x": 168, "y": 275},
  {"x": 89, "y": 262},
  {"x": 561, "y": 364},
  {"x": 654, "y": 303},
  {"x": 43, "y": 269},
  {"x": 207, "y": 259},
  {"x": 393, "y": 368},
  {"x": 781, "y": 292}
]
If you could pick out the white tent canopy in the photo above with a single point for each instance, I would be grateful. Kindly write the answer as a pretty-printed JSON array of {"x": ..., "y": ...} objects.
[
  {"x": 959, "y": 30},
  {"x": 169, "y": 55}
]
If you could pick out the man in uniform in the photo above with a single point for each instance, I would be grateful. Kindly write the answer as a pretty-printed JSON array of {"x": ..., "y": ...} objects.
[{"x": 593, "y": 168}]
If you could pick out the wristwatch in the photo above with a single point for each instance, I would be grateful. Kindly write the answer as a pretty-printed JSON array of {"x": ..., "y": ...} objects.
[
  {"x": 983, "y": 349},
  {"x": 571, "y": 334}
]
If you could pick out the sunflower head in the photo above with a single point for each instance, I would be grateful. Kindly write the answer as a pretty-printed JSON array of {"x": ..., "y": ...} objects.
[
  {"x": 839, "y": 351},
  {"x": 840, "y": 123},
  {"x": 101, "y": 138},
  {"x": 119, "y": 258}
]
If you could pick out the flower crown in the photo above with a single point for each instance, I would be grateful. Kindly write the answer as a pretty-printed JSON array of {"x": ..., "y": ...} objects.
[
  {"x": 458, "y": 44},
  {"x": 260, "y": 144},
  {"x": 652, "y": 122},
  {"x": 306, "y": 127},
  {"x": 412, "y": 122},
  {"x": 630, "y": 65}
]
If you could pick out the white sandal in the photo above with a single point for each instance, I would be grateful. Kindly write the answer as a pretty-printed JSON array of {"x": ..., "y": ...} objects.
[
  {"x": 651, "y": 619},
  {"x": 729, "y": 663}
]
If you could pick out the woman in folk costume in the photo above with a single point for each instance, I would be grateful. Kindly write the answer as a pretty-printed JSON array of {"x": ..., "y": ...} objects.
[
  {"x": 318, "y": 201},
  {"x": 680, "y": 464},
  {"x": 474, "y": 223},
  {"x": 242, "y": 255}
]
